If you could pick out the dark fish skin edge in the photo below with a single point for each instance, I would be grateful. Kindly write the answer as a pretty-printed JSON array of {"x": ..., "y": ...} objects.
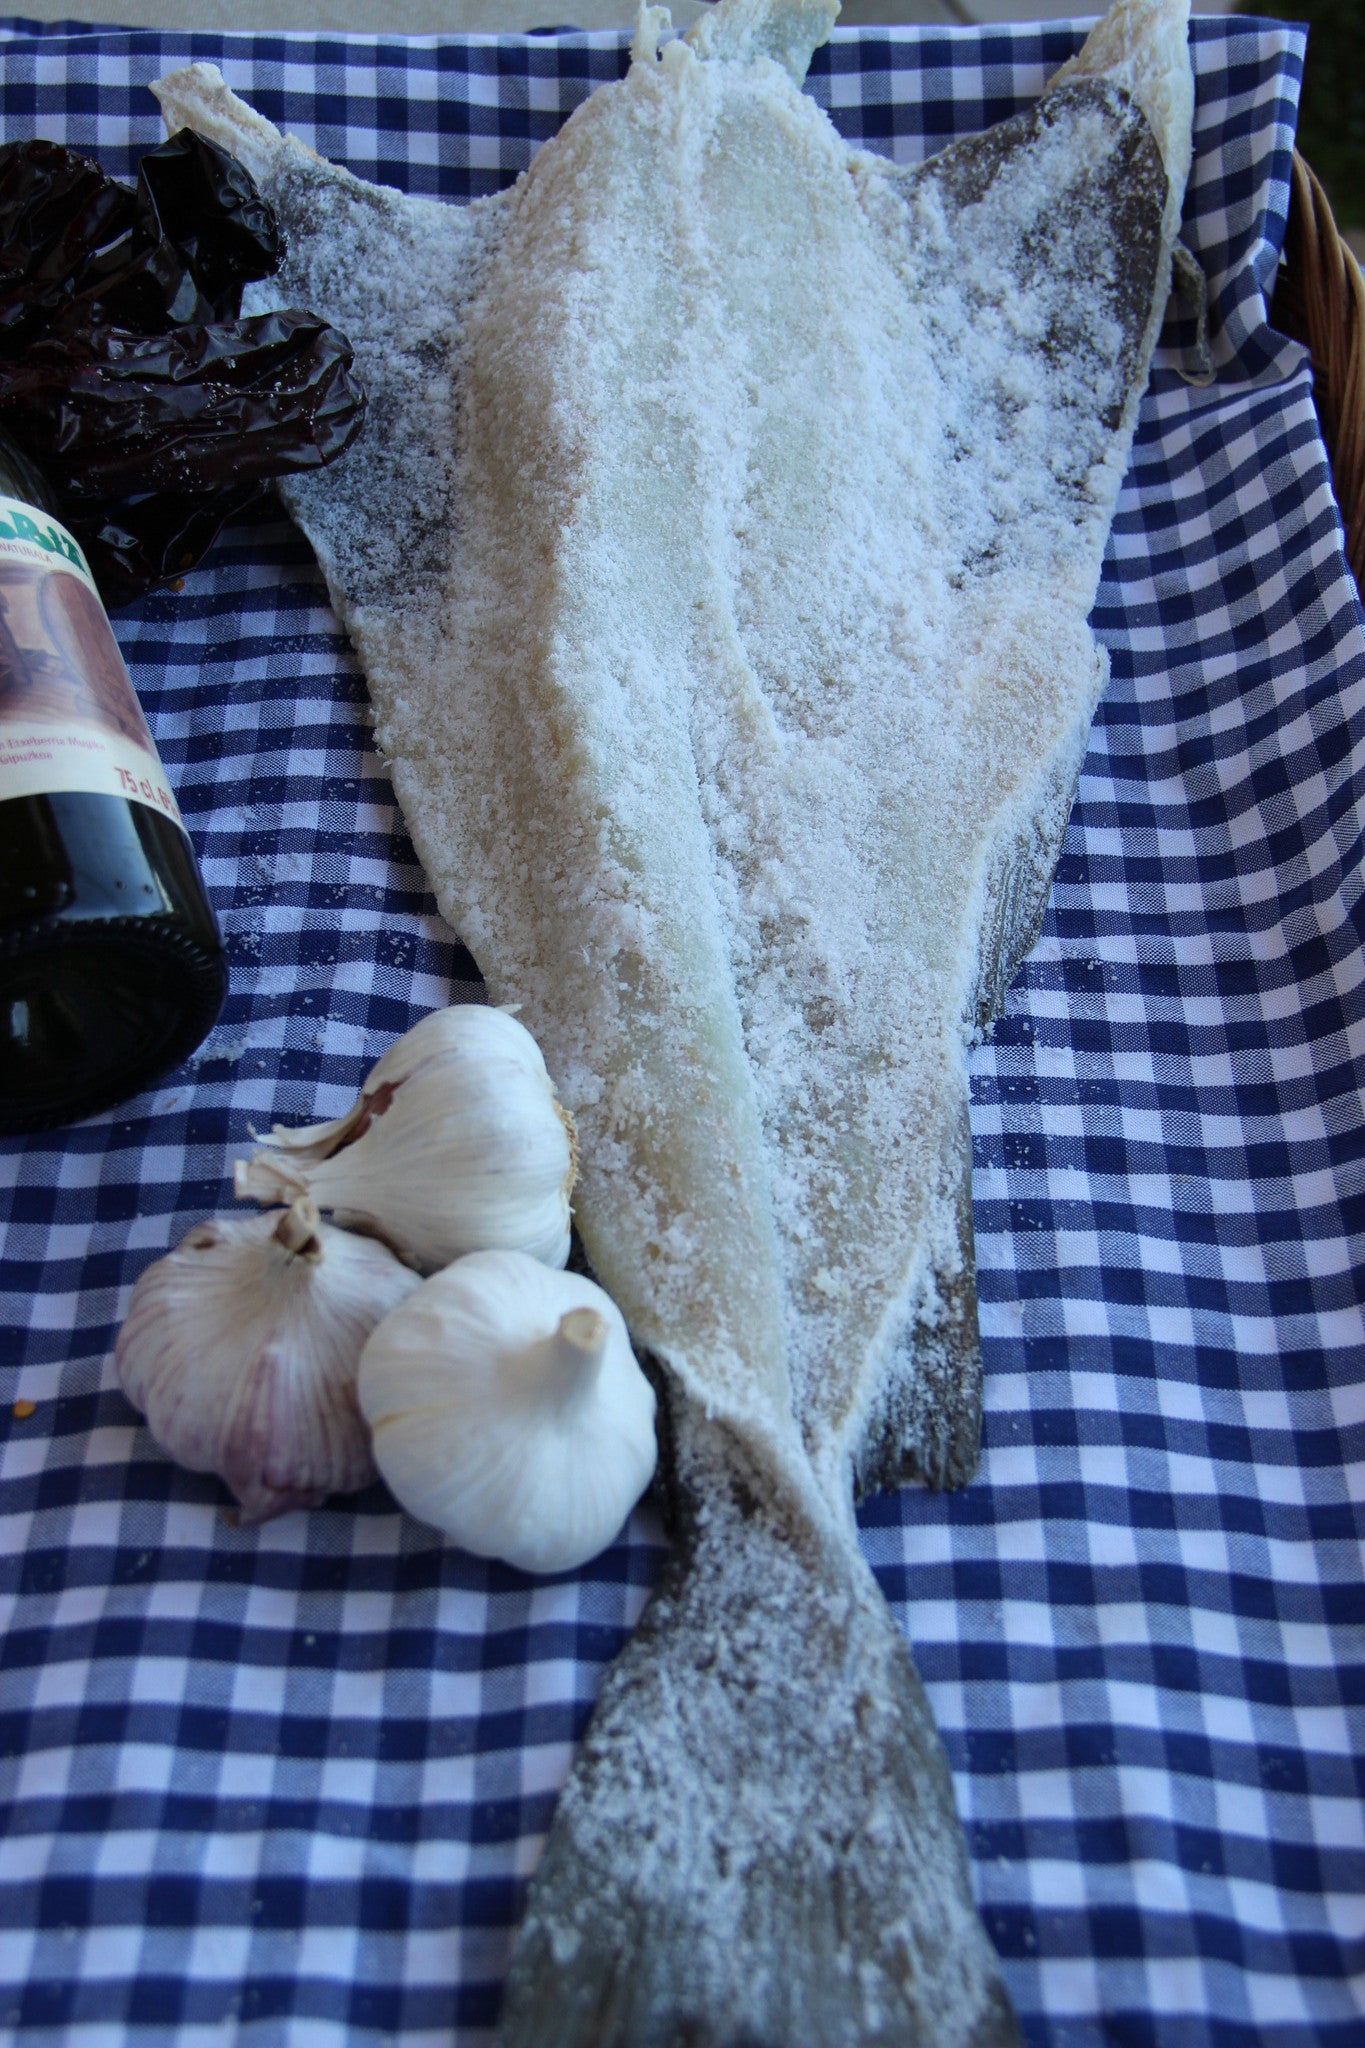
[
  {"x": 926, "y": 1423},
  {"x": 838, "y": 1913}
]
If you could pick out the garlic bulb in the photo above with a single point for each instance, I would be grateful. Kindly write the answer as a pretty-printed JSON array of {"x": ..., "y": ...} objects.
[
  {"x": 508, "y": 1409},
  {"x": 455, "y": 1144},
  {"x": 241, "y": 1348}
]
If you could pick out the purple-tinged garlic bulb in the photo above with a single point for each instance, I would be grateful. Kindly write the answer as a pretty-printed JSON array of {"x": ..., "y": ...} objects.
[{"x": 241, "y": 1348}]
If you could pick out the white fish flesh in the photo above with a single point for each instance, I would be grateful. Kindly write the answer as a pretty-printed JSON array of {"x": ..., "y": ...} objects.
[{"x": 719, "y": 553}]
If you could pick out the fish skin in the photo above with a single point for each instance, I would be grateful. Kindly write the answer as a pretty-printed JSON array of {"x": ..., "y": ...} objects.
[{"x": 758, "y": 1843}]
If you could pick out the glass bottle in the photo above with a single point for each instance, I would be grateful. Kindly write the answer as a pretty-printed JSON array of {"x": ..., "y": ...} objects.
[{"x": 111, "y": 964}]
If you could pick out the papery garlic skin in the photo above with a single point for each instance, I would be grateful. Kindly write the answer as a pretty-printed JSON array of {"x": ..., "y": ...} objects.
[
  {"x": 508, "y": 1409},
  {"x": 456, "y": 1143},
  {"x": 241, "y": 1348}
]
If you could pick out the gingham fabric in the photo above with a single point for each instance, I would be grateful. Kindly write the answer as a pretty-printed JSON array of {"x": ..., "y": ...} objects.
[{"x": 288, "y": 1785}]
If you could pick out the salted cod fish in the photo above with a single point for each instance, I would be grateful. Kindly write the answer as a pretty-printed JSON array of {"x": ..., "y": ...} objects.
[{"x": 719, "y": 555}]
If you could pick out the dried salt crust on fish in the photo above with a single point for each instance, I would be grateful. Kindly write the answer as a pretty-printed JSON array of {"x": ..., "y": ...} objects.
[{"x": 719, "y": 554}]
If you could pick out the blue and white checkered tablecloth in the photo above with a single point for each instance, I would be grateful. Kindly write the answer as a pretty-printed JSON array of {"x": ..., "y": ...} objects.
[{"x": 288, "y": 1785}]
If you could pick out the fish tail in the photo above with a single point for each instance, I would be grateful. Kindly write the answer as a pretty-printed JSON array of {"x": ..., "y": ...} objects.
[{"x": 758, "y": 1845}]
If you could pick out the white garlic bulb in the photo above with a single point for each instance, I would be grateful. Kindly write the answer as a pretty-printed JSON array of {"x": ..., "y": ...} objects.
[
  {"x": 455, "y": 1144},
  {"x": 241, "y": 1348},
  {"x": 507, "y": 1409}
]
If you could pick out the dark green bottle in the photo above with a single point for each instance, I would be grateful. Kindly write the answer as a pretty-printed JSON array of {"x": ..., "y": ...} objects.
[{"x": 111, "y": 964}]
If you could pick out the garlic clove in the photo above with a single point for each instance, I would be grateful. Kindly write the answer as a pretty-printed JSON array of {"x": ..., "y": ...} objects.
[
  {"x": 456, "y": 1143},
  {"x": 241, "y": 1348},
  {"x": 508, "y": 1409}
]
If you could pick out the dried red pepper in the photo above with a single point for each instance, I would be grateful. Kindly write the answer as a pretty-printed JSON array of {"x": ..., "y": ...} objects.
[{"x": 126, "y": 372}]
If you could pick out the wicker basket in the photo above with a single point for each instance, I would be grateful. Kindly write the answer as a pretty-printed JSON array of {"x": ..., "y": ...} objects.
[{"x": 1320, "y": 300}]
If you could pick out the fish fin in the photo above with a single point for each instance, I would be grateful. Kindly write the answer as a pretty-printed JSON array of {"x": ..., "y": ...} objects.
[
  {"x": 758, "y": 1845},
  {"x": 1103, "y": 243},
  {"x": 198, "y": 96},
  {"x": 1022, "y": 865},
  {"x": 1142, "y": 46},
  {"x": 394, "y": 273},
  {"x": 1189, "y": 302},
  {"x": 741, "y": 31},
  {"x": 925, "y": 1422}
]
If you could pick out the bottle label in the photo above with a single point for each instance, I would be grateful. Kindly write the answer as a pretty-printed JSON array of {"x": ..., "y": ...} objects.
[{"x": 69, "y": 716}]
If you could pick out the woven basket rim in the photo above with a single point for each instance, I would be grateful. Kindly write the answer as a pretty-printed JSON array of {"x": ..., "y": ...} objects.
[{"x": 1320, "y": 300}]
